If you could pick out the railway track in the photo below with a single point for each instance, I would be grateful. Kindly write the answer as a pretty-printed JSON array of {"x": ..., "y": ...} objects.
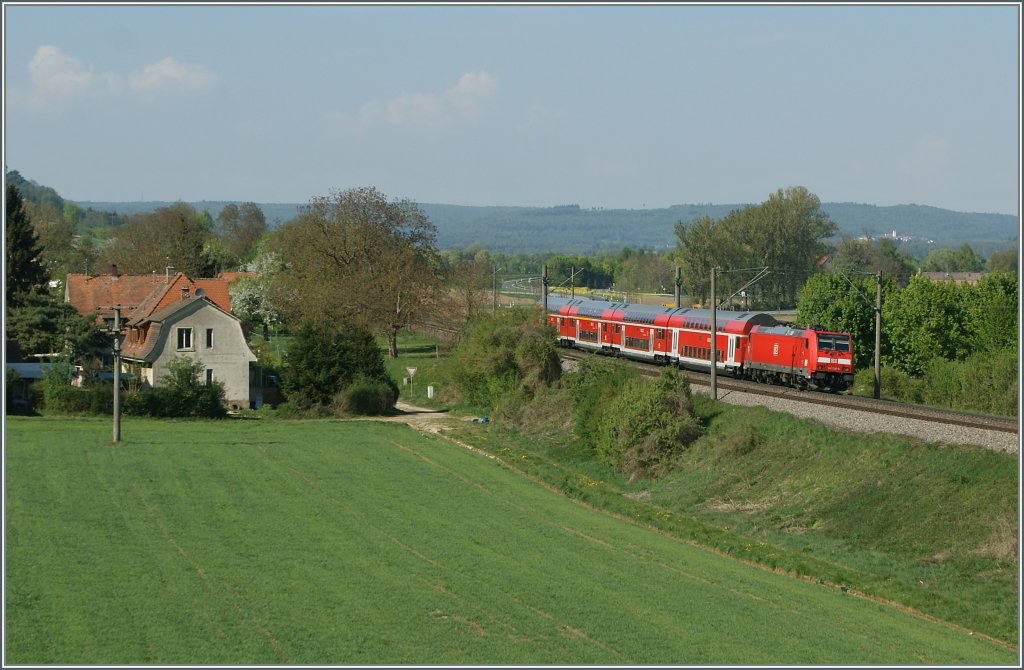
[{"x": 834, "y": 401}]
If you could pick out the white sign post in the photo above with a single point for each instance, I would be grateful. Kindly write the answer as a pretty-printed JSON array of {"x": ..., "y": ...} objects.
[{"x": 411, "y": 371}]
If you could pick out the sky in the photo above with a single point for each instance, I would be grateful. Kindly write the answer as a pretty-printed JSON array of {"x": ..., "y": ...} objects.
[{"x": 619, "y": 106}]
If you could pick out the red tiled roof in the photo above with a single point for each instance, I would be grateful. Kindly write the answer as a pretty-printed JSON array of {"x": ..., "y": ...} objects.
[
  {"x": 89, "y": 293},
  {"x": 138, "y": 295}
]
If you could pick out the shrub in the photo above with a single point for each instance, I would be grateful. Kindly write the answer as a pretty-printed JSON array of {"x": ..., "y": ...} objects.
[
  {"x": 503, "y": 353},
  {"x": 182, "y": 393},
  {"x": 647, "y": 425},
  {"x": 896, "y": 385},
  {"x": 59, "y": 396},
  {"x": 366, "y": 396},
  {"x": 320, "y": 364},
  {"x": 985, "y": 382},
  {"x": 593, "y": 386}
]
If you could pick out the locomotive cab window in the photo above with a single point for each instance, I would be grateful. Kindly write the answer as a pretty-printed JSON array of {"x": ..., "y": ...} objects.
[{"x": 834, "y": 342}]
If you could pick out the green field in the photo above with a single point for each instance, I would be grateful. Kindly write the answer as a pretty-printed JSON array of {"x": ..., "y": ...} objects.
[{"x": 330, "y": 542}]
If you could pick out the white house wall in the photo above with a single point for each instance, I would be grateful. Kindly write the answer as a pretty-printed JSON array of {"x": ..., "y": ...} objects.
[{"x": 229, "y": 357}]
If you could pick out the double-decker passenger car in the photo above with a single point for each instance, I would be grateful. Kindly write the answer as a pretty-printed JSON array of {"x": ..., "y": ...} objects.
[{"x": 752, "y": 345}]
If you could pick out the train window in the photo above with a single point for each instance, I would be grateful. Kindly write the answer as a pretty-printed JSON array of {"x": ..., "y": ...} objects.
[
  {"x": 834, "y": 342},
  {"x": 637, "y": 343}
]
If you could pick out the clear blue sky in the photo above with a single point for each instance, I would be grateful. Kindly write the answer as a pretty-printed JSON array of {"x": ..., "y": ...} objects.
[{"x": 621, "y": 106}]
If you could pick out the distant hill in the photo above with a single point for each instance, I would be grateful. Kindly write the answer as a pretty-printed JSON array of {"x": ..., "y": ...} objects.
[{"x": 571, "y": 229}]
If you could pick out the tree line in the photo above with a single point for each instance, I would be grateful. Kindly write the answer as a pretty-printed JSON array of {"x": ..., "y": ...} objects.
[{"x": 357, "y": 257}]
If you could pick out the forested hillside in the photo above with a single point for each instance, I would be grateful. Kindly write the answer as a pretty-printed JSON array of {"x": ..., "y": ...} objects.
[{"x": 572, "y": 229}]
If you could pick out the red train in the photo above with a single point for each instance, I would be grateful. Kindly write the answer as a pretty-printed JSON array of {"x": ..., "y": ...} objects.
[{"x": 752, "y": 345}]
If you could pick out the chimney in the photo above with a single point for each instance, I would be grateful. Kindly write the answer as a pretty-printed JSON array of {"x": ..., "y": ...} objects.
[{"x": 114, "y": 274}]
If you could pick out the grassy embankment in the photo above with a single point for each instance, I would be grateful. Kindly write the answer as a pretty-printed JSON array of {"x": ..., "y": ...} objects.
[
  {"x": 317, "y": 542},
  {"x": 932, "y": 527}
]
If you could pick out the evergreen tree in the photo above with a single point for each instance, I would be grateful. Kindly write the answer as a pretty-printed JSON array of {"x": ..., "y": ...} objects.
[{"x": 23, "y": 270}]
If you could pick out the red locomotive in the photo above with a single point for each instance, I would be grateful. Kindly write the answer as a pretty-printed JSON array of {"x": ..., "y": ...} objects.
[{"x": 752, "y": 345}]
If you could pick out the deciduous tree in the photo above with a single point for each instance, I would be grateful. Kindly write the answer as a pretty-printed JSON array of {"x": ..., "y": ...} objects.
[
  {"x": 240, "y": 227},
  {"x": 170, "y": 236},
  {"x": 357, "y": 256}
]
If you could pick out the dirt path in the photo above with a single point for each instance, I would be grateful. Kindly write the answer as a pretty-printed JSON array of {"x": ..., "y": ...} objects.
[{"x": 421, "y": 418}]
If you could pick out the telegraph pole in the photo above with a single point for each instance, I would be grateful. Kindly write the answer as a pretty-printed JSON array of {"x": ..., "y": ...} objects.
[
  {"x": 679, "y": 284},
  {"x": 714, "y": 338},
  {"x": 494, "y": 290},
  {"x": 117, "y": 374},
  {"x": 544, "y": 282}
]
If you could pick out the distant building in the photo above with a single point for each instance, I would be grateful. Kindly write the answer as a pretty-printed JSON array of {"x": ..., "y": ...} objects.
[{"x": 955, "y": 277}]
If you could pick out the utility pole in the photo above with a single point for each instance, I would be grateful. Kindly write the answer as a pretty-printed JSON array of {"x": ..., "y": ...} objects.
[
  {"x": 544, "y": 288},
  {"x": 878, "y": 335},
  {"x": 572, "y": 281},
  {"x": 494, "y": 290},
  {"x": 679, "y": 284},
  {"x": 714, "y": 338},
  {"x": 117, "y": 374}
]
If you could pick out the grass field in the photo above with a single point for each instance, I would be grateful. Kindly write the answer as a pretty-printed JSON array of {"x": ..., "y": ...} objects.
[{"x": 328, "y": 542}]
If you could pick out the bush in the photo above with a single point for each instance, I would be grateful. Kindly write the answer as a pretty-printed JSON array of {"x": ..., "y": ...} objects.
[
  {"x": 985, "y": 382},
  {"x": 321, "y": 364},
  {"x": 504, "y": 353},
  {"x": 593, "y": 387},
  {"x": 647, "y": 425},
  {"x": 367, "y": 397},
  {"x": 182, "y": 393},
  {"x": 896, "y": 385},
  {"x": 58, "y": 395}
]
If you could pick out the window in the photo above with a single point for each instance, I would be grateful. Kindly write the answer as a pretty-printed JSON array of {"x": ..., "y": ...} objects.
[
  {"x": 638, "y": 343},
  {"x": 209, "y": 338},
  {"x": 209, "y": 375},
  {"x": 184, "y": 338}
]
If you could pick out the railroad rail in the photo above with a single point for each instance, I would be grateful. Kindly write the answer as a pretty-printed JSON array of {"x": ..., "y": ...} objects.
[{"x": 883, "y": 407}]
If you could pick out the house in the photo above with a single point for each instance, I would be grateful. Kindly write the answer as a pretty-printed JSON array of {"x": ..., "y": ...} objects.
[
  {"x": 166, "y": 316},
  {"x": 955, "y": 277},
  {"x": 197, "y": 329}
]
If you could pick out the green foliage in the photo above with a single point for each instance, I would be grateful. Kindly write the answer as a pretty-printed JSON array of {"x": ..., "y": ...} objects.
[
  {"x": 507, "y": 352},
  {"x": 786, "y": 232},
  {"x": 359, "y": 254},
  {"x": 319, "y": 364},
  {"x": 366, "y": 397},
  {"x": 592, "y": 388},
  {"x": 59, "y": 396},
  {"x": 993, "y": 312},
  {"x": 923, "y": 321},
  {"x": 1003, "y": 261},
  {"x": 985, "y": 382},
  {"x": 180, "y": 393},
  {"x": 648, "y": 423},
  {"x": 44, "y": 324},
  {"x": 174, "y": 236},
  {"x": 839, "y": 304},
  {"x": 963, "y": 259},
  {"x": 240, "y": 227},
  {"x": 896, "y": 385},
  {"x": 24, "y": 272}
]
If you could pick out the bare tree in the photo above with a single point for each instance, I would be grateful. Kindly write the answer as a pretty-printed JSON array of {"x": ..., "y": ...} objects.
[{"x": 356, "y": 256}]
